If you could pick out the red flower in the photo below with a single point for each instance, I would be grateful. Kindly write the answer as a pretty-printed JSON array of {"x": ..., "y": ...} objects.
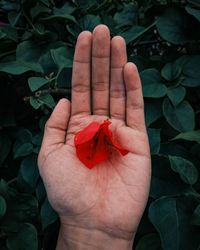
[{"x": 94, "y": 143}]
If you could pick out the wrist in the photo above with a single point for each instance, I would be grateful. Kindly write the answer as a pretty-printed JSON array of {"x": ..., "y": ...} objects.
[{"x": 73, "y": 238}]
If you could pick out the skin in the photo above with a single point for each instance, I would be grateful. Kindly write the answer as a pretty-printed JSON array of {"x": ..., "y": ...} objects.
[{"x": 102, "y": 207}]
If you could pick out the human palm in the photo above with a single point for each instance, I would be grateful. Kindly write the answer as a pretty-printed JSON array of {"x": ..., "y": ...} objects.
[{"x": 112, "y": 196}]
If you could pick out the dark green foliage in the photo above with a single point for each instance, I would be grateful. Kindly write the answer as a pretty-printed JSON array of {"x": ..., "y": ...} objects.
[{"x": 37, "y": 40}]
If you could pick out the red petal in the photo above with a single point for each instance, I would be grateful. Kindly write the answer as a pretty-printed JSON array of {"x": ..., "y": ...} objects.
[
  {"x": 92, "y": 152},
  {"x": 93, "y": 144},
  {"x": 113, "y": 142},
  {"x": 87, "y": 133}
]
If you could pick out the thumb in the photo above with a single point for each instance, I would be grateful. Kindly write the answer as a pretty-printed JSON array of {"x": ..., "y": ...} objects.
[{"x": 56, "y": 126}]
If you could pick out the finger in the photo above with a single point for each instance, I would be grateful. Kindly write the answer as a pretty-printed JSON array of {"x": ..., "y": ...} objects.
[
  {"x": 81, "y": 74},
  {"x": 100, "y": 70},
  {"x": 56, "y": 126},
  {"x": 117, "y": 88},
  {"x": 134, "y": 102}
]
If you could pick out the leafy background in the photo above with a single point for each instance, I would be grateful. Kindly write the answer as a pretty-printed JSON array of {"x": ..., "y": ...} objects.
[{"x": 37, "y": 40}]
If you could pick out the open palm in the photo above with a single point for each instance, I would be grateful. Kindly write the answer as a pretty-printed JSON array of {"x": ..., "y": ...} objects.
[{"x": 112, "y": 196}]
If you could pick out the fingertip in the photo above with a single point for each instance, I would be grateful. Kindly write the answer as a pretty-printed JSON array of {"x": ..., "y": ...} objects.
[
  {"x": 63, "y": 101},
  {"x": 130, "y": 68},
  {"x": 60, "y": 115},
  {"x": 131, "y": 76},
  {"x": 84, "y": 35},
  {"x": 101, "y": 28},
  {"x": 118, "y": 40}
]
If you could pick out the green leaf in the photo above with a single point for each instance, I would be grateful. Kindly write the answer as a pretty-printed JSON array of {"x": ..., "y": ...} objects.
[
  {"x": 128, "y": 15},
  {"x": 195, "y": 3},
  {"x": 62, "y": 57},
  {"x": 19, "y": 67},
  {"x": 39, "y": 9},
  {"x": 191, "y": 71},
  {"x": 171, "y": 71},
  {"x": 48, "y": 215},
  {"x": 3, "y": 206},
  {"x": 23, "y": 150},
  {"x": 44, "y": 99},
  {"x": 154, "y": 140},
  {"x": 29, "y": 170},
  {"x": 164, "y": 180},
  {"x": 5, "y": 146},
  {"x": 29, "y": 51},
  {"x": 171, "y": 26},
  {"x": 192, "y": 11},
  {"x": 21, "y": 208},
  {"x": 37, "y": 139},
  {"x": 62, "y": 13},
  {"x": 48, "y": 100},
  {"x": 176, "y": 94},
  {"x": 172, "y": 148},
  {"x": 149, "y": 242},
  {"x": 89, "y": 22},
  {"x": 171, "y": 218},
  {"x": 40, "y": 191},
  {"x": 195, "y": 220},
  {"x": 64, "y": 78},
  {"x": 35, "y": 102},
  {"x": 10, "y": 33},
  {"x": 14, "y": 17},
  {"x": 67, "y": 8},
  {"x": 25, "y": 238},
  {"x": 180, "y": 117},
  {"x": 185, "y": 168},
  {"x": 86, "y": 4},
  {"x": 189, "y": 136},
  {"x": 36, "y": 82},
  {"x": 132, "y": 34},
  {"x": 153, "y": 110},
  {"x": 152, "y": 85}
]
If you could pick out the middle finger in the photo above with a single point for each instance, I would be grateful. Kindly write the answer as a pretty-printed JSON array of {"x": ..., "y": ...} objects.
[{"x": 100, "y": 70}]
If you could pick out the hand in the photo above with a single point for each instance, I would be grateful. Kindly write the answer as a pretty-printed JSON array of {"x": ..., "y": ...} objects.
[{"x": 104, "y": 204}]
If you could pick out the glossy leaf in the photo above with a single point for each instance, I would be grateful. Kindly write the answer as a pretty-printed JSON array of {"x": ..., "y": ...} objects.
[
  {"x": 186, "y": 169},
  {"x": 152, "y": 85},
  {"x": 23, "y": 150},
  {"x": 165, "y": 181},
  {"x": 176, "y": 94},
  {"x": 171, "y": 218},
  {"x": 154, "y": 140},
  {"x": 171, "y": 71},
  {"x": 19, "y": 67},
  {"x": 36, "y": 82},
  {"x": 89, "y": 22},
  {"x": 21, "y": 240},
  {"x": 176, "y": 116},
  {"x": 195, "y": 220},
  {"x": 191, "y": 10},
  {"x": 128, "y": 15},
  {"x": 44, "y": 99},
  {"x": 153, "y": 111},
  {"x": 189, "y": 136},
  {"x": 29, "y": 170},
  {"x": 170, "y": 26},
  {"x": 191, "y": 71},
  {"x": 48, "y": 215}
]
